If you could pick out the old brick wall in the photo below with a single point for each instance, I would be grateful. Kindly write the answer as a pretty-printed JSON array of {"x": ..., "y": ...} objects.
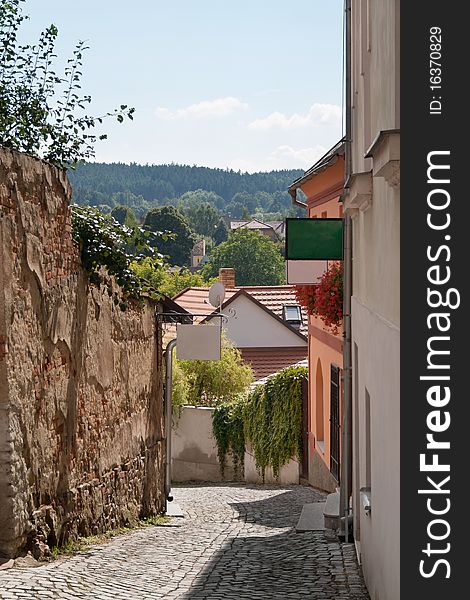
[{"x": 81, "y": 397}]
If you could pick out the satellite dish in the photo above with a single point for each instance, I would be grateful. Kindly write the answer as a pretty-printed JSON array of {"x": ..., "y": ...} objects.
[{"x": 217, "y": 294}]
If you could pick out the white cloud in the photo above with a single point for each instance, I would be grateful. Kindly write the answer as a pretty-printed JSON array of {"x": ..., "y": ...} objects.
[
  {"x": 220, "y": 107},
  {"x": 302, "y": 157},
  {"x": 282, "y": 157},
  {"x": 319, "y": 114}
]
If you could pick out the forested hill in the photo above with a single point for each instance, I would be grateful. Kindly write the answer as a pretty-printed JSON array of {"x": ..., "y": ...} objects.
[
  {"x": 143, "y": 187},
  {"x": 160, "y": 182}
]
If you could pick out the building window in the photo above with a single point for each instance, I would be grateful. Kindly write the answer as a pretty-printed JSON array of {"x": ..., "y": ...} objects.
[
  {"x": 319, "y": 417},
  {"x": 324, "y": 215},
  {"x": 292, "y": 314},
  {"x": 368, "y": 440},
  {"x": 357, "y": 499}
]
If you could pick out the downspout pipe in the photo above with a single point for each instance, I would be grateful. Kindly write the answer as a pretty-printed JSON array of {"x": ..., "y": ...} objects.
[
  {"x": 168, "y": 414},
  {"x": 346, "y": 462},
  {"x": 348, "y": 91}
]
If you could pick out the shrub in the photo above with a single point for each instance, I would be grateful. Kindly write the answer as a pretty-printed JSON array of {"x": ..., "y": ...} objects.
[{"x": 213, "y": 382}]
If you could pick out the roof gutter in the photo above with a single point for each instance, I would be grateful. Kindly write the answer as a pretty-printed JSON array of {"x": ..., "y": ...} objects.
[{"x": 293, "y": 195}]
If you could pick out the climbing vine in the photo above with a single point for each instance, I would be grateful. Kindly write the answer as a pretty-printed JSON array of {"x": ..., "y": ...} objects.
[
  {"x": 273, "y": 419},
  {"x": 228, "y": 428},
  {"x": 105, "y": 243},
  {"x": 270, "y": 418}
]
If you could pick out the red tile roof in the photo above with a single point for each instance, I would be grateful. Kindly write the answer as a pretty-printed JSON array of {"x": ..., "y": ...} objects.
[
  {"x": 266, "y": 362},
  {"x": 272, "y": 297}
]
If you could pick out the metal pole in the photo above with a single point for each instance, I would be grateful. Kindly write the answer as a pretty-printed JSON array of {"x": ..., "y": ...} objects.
[
  {"x": 168, "y": 414},
  {"x": 345, "y": 489},
  {"x": 346, "y": 462}
]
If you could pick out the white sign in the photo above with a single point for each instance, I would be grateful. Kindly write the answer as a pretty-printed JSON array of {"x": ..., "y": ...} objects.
[
  {"x": 305, "y": 272},
  {"x": 198, "y": 342}
]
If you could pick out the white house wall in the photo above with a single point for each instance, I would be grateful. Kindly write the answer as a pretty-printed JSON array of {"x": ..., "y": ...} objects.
[
  {"x": 378, "y": 344},
  {"x": 376, "y": 296},
  {"x": 250, "y": 326}
]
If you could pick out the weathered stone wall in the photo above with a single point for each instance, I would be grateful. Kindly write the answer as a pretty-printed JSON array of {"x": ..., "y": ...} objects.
[{"x": 81, "y": 397}]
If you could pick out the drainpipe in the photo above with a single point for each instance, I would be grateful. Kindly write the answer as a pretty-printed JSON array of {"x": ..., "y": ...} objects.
[
  {"x": 348, "y": 90},
  {"x": 346, "y": 462},
  {"x": 168, "y": 414}
]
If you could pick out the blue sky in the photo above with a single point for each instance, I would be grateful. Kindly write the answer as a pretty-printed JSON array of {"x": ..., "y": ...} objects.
[{"x": 250, "y": 85}]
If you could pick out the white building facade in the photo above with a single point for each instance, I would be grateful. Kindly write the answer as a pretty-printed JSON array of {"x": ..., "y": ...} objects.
[{"x": 372, "y": 199}]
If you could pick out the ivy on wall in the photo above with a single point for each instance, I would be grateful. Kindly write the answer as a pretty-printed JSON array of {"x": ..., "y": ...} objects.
[
  {"x": 270, "y": 419},
  {"x": 228, "y": 429},
  {"x": 105, "y": 243},
  {"x": 273, "y": 419}
]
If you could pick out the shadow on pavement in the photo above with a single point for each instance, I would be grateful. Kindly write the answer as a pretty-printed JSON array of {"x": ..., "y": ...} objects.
[{"x": 290, "y": 565}]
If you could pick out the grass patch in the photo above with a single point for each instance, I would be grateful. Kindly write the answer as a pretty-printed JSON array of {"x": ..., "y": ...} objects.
[{"x": 85, "y": 543}]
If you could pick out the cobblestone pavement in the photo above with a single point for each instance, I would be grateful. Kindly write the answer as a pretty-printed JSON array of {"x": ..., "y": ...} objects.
[{"x": 236, "y": 542}]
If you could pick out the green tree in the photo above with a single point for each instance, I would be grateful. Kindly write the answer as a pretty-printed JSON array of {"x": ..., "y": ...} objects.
[
  {"x": 212, "y": 382},
  {"x": 247, "y": 199},
  {"x": 195, "y": 197},
  {"x": 255, "y": 258},
  {"x": 168, "y": 282},
  {"x": 220, "y": 233},
  {"x": 178, "y": 246},
  {"x": 203, "y": 218},
  {"x": 124, "y": 215},
  {"x": 40, "y": 112},
  {"x": 235, "y": 210}
]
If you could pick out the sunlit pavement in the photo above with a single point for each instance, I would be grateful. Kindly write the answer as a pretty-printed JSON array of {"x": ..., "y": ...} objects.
[{"x": 234, "y": 542}]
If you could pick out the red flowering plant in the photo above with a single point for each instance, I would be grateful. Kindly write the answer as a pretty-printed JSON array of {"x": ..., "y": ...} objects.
[
  {"x": 326, "y": 298},
  {"x": 305, "y": 296}
]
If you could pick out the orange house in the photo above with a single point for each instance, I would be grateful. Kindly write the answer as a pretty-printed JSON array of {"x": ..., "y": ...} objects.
[{"x": 323, "y": 185}]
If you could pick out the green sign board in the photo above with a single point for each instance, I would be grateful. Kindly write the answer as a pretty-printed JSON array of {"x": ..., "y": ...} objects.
[{"x": 314, "y": 239}]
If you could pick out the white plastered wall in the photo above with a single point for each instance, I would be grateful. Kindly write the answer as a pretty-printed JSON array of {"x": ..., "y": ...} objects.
[{"x": 250, "y": 326}]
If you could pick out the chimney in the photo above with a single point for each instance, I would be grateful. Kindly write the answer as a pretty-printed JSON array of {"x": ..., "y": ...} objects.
[{"x": 227, "y": 277}]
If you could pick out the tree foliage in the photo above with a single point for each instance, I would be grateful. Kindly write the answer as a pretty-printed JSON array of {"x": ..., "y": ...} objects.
[
  {"x": 103, "y": 244},
  {"x": 160, "y": 183},
  {"x": 212, "y": 382},
  {"x": 41, "y": 112},
  {"x": 203, "y": 218},
  {"x": 178, "y": 246},
  {"x": 168, "y": 281},
  {"x": 255, "y": 258},
  {"x": 221, "y": 233},
  {"x": 124, "y": 215}
]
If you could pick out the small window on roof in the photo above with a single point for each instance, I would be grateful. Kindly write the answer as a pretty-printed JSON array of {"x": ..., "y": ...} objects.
[{"x": 292, "y": 314}]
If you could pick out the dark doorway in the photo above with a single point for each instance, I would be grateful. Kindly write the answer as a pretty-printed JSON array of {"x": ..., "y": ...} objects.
[
  {"x": 334, "y": 423},
  {"x": 305, "y": 429}
]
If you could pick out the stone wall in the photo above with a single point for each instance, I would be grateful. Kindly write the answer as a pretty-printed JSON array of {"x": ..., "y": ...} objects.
[{"x": 81, "y": 395}]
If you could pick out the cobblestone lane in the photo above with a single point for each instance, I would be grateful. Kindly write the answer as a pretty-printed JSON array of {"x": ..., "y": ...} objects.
[{"x": 234, "y": 543}]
